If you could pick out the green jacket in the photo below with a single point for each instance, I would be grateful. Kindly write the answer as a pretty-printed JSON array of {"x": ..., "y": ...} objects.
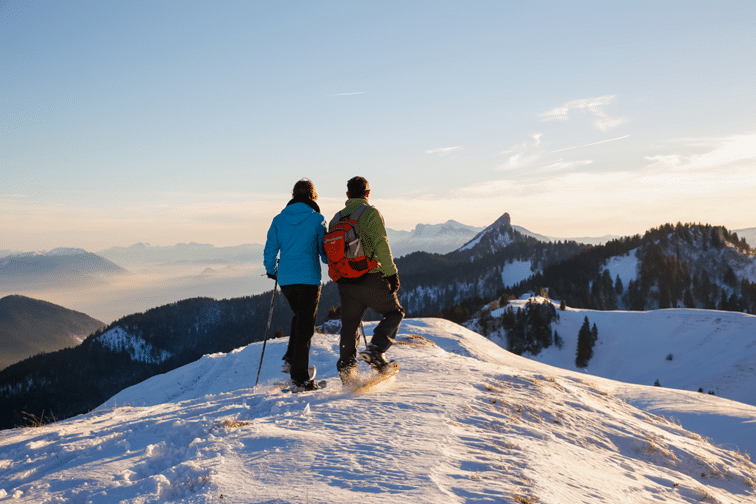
[{"x": 373, "y": 233}]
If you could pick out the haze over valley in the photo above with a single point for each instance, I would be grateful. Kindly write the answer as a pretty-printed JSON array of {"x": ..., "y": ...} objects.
[{"x": 118, "y": 281}]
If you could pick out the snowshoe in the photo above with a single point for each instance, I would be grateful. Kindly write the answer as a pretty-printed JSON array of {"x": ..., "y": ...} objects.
[
  {"x": 376, "y": 359},
  {"x": 307, "y": 386}
]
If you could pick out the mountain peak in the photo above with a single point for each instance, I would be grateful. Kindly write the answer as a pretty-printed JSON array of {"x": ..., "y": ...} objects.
[
  {"x": 496, "y": 236},
  {"x": 503, "y": 221}
]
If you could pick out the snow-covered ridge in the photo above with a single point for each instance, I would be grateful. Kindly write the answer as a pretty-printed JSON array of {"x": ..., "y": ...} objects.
[
  {"x": 118, "y": 339},
  {"x": 463, "y": 421},
  {"x": 687, "y": 349}
]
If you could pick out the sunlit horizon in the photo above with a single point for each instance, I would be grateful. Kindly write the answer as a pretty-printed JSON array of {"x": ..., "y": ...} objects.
[{"x": 171, "y": 123}]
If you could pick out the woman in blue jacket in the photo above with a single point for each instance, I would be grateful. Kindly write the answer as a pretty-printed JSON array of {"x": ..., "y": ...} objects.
[{"x": 296, "y": 234}]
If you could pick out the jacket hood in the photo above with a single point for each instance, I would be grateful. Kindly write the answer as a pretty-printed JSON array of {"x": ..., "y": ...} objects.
[{"x": 296, "y": 213}]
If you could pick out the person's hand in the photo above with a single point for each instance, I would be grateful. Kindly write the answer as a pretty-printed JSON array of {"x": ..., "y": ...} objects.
[
  {"x": 393, "y": 281},
  {"x": 272, "y": 276}
]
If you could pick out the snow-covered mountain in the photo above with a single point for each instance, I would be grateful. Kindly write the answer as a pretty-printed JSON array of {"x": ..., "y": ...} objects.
[
  {"x": 463, "y": 421},
  {"x": 433, "y": 238},
  {"x": 501, "y": 233},
  {"x": 494, "y": 237},
  {"x": 452, "y": 235},
  {"x": 694, "y": 266},
  {"x": 54, "y": 268}
]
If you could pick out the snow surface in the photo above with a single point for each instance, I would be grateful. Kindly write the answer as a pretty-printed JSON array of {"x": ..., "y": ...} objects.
[
  {"x": 463, "y": 421},
  {"x": 682, "y": 348},
  {"x": 118, "y": 339},
  {"x": 624, "y": 266},
  {"x": 515, "y": 272}
]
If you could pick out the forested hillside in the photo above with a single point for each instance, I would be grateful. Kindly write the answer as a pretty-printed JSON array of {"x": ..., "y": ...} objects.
[
  {"x": 690, "y": 266},
  {"x": 31, "y": 326},
  {"x": 74, "y": 380}
]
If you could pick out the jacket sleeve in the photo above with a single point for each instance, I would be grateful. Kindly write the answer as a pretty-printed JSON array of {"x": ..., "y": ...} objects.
[
  {"x": 321, "y": 241},
  {"x": 375, "y": 231},
  {"x": 272, "y": 245}
]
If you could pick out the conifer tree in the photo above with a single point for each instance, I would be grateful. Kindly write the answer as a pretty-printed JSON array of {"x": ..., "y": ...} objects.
[
  {"x": 584, "y": 344},
  {"x": 618, "y": 287},
  {"x": 558, "y": 341}
]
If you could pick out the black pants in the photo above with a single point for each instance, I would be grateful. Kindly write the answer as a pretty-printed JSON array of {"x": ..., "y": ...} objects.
[
  {"x": 371, "y": 291},
  {"x": 303, "y": 300}
]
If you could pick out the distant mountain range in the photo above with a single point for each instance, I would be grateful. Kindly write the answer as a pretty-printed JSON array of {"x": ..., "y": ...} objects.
[
  {"x": 450, "y": 253},
  {"x": 183, "y": 253},
  {"x": 749, "y": 235},
  {"x": 40, "y": 269},
  {"x": 452, "y": 235},
  {"x": 433, "y": 238},
  {"x": 30, "y": 326}
]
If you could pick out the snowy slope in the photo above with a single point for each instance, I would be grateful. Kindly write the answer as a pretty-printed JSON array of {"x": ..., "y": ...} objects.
[
  {"x": 463, "y": 421},
  {"x": 682, "y": 348}
]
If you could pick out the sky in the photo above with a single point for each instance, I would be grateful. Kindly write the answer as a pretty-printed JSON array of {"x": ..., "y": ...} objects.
[{"x": 168, "y": 122}]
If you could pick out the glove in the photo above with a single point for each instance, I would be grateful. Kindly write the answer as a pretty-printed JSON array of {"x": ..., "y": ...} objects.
[
  {"x": 272, "y": 276},
  {"x": 393, "y": 282}
]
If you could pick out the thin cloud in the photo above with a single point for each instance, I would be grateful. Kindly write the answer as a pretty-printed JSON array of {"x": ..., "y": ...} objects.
[
  {"x": 443, "y": 151},
  {"x": 524, "y": 145},
  {"x": 520, "y": 161},
  {"x": 562, "y": 165},
  {"x": 723, "y": 154},
  {"x": 593, "y": 106},
  {"x": 606, "y": 123},
  {"x": 588, "y": 145},
  {"x": 348, "y": 94},
  {"x": 667, "y": 161}
]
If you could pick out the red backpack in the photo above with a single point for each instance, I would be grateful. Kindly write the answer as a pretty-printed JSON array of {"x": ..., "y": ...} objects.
[{"x": 343, "y": 246}]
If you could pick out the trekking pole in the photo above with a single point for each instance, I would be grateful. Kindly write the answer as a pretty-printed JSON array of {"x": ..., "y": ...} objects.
[
  {"x": 267, "y": 329},
  {"x": 363, "y": 333}
]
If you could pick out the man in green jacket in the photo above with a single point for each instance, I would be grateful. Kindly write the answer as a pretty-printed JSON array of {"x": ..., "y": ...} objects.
[{"x": 376, "y": 289}]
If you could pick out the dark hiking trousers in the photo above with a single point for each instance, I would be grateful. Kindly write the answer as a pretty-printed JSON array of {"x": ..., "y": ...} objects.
[
  {"x": 303, "y": 300},
  {"x": 371, "y": 291}
]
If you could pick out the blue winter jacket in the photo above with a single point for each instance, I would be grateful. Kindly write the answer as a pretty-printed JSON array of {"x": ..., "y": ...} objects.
[{"x": 298, "y": 233}]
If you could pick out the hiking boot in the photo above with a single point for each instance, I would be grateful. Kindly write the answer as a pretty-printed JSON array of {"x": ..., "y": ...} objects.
[
  {"x": 304, "y": 386},
  {"x": 349, "y": 374},
  {"x": 375, "y": 358}
]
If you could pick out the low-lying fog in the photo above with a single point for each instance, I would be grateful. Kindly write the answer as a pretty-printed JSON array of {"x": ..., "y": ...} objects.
[{"x": 148, "y": 286}]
